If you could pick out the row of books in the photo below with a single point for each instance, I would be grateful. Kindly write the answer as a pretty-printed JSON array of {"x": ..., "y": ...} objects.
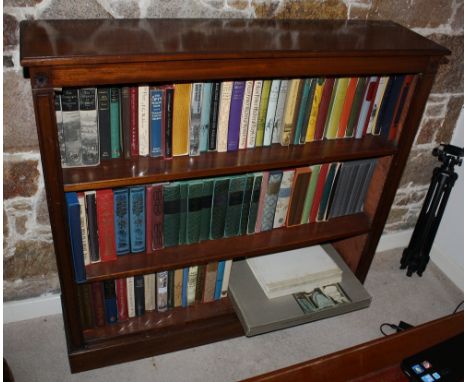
[
  {"x": 108, "y": 223},
  {"x": 112, "y": 301},
  {"x": 188, "y": 119}
]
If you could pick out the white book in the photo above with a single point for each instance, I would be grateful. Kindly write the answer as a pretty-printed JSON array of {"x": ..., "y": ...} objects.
[
  {"x": 223, "y": 115},
  {"x": 162, "y": 278},
  {"x": 277, "y": 125},
  {"x": 226, "y": 275},
  {"x": 84, "y": 229},
  {"x": 192, "y": 284},
  {"x": 143, "y": 120},
  {"x": 253, "y": 116},
  {"x": 195, "y": 118},
  {"x": 299, "y": 270},
  {"x": 131, "y": 296},
  {"x": 59, "y": 120},
  {"x": 366, "y": 104},
  {"x": 271, "y": 111},
  {"x": 283, "y": 199},
  {"x": 150, "y": 291},
  {"x": 244, "y": 125},
  {"x": 377, "y": 103}
]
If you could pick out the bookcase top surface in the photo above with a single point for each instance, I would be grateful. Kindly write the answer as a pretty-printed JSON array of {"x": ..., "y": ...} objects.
[{"x": 104, "y": 41}]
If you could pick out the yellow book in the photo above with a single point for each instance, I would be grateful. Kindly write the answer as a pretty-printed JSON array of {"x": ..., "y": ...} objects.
[
  {"x": 289, "y": 110},
  {"x": 314, "y": 111},
  {"x": 181, "y": 119},
  {"x": 178, "y": 282},
  {"x": 341, "y": 86}
]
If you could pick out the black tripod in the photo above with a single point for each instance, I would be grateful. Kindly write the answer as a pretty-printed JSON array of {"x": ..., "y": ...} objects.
[{"x": 416, "y": 255}]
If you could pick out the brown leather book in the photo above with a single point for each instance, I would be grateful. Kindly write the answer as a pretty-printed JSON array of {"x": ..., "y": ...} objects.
[
  {"x": 210, "y": 282},
  {"x": 298, "y": 196}
]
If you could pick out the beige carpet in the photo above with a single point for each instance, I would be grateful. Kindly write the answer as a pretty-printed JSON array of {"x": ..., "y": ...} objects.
[{"x": 36, "y": 349}]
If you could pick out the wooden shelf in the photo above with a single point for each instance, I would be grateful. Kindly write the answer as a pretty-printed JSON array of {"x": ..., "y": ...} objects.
[
  {"x": 280, "y": 239},
  {"x": 143, "y": 170}
]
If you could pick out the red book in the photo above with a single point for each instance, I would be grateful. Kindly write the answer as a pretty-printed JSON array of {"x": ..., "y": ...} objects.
[
  {"x": 401, "y": 110},
  {"x": 105, "y": 221},
  {"x": 121, "y": 294},
  {"x": 98, "y": 303},
  {"x": 323, "y": 108},
  {"x": 318, "y": 191},
  {"x": 348, "y": 102},
  {"x": 154, "y": 218},
  {"x": 134, "y": 149},
  {"x": 299, "y": 188}
]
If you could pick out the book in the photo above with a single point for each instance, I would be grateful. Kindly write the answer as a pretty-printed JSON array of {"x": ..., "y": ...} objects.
[
  {"x": 253, "y": 115},
  {"x": 115, "y": 129},
  {"x": 336, "y": 107},
  {"x": 171, "y": 194},
  {"x": 299, "y": 190},
  {"x": 223, "y": 115},
  {"x": 234, "y": 206},
  {"x": 283, "y": 199},
  {"x": 388, "y": 104},
  {"x": 261, "y": 201},
  {"x": 137, "y": 219},
  {"x": 185, "y": 273},
  {"x": 121, "y": 221},
  {"x": 383, "y": 81},
  {"x": 180, "y": 119},
  {"x": 195, "y": 118},
  {"x": 191, "y": 284},
  {"x": 247, "y": 196},
  {"x": 336, "y": 179},
  {"x": 104, "y": 127},
  {"x": 155, "y": 217},
  {"x": 347, "y": 104},
  {"x": 270, "y": 200},
  {"x": 271, "y": 111},
  {"x": 289, "y": 112},
  {"x": 194, "y": 212},
  {"x": 245, "y": 113},
  {"x": 226, "y": 275},
  {"x": 277, "y": 124},
  {"x": 368, "y": 100},
  {"x": 122, "y": 301},
  {"x": 315, "y": 170},
  {"x": 74, "y": 229},
  {"x": 71, "y": 128},
  {"x": 91, "y": 216},
  {"x": 97, "y": 290},
  {"x": 150, "y": 291},
  {"x": 183, "y": 208},
  {"x": 254, "y": 202},
  {"x": 219, "y": 280},
  {"x": 322, "y": 177},
  {"x": 322, "y": 113},
  {"x": 356, "y": 107},
  {"x": 205, "y": 115},
  {"x": 403, "y": 107},
  {"x": 84, "y": 228},
  {"x": 201, "y": 273},
  {"x": 178, "y": 285},
  {"x": 327, "y": 191},
  {"x": 206, "y": 203},
  {"x": 312, "y": 123},
  {"x": 358, "y": 206},
  {"x": 213, "y": 128},
  {"x": 125, "y": 121},
  {"x": 134, "y": 138},
  {"x": 131, "y": 296},
  {"x": 139, "y": 288},
  {"x": 89, "y": 126},
  {"x": 156, "y": 99},
  {"x": 219, "y": 207},
  {"x": 105, "y": 224},
  {"x": 59, "y": 122},
  {"x": 110, "y": 301},
  {"x": 345, "y": 184},
  {"x": 210, "y": 282},
  {"x": 168, "y": 121},
  {"x": 305, "y": 108},
  {"x": 85, "y": 303},
  {"x": 143, "y": 120},
  {"x": 262, "y": 112},
  {"x": 162, "y": 291},
  {"x": 235, "y": 111},
  {"x": 170, "y": 289}
]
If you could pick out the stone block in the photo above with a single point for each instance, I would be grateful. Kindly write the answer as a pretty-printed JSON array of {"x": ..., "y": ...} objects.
[
  {"x": 358, "y": 12},
  {"x": 238, "y": 4},
  {"x": 265, "y": 9},
  {"x": 419, "y": 168},
  {"x": 434, "y": 110},
  {"x": 428, "y": 129},
  {"x": 10, "y": 31},
  {"x": 449, "y": 77},
  {"x": 122, "y": 8},
  {"x": 31, "y": 287},
  {"x": 444, "y": 134},
  {"x": 191, "y": 9},
  {"x": 70, "y": 9},
  {"x": 42, "y": 212},
  {"x": 411, "y": 198},
  {"x": 20, "y": 224},
  {"x": 312, "y": 9},
  {"x": 458, "y": 21},
  {"x": 20, "y": 178},
  {"x": 8, "y": 62}
]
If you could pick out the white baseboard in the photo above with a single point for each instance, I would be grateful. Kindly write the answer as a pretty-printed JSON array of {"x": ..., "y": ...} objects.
[
  {"x": 446, "y": 264},
  {"x": 394, "y": 240}
]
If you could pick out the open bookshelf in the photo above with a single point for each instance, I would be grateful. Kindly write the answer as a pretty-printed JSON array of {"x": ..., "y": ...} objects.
[{"x": 78, "y": 53}]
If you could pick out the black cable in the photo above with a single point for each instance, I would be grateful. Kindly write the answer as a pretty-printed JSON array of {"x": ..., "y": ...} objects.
[
  {"x": 394, "y": 327},
  {"x": 458, "y": 306}
]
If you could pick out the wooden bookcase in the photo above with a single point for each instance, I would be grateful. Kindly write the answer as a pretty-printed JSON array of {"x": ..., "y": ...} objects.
[{"x": 65, "y": 53}]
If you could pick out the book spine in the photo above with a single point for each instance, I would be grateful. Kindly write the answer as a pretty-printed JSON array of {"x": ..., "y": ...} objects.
[
  {"x": 194, "y": 212},
  {"x": 162, "y": 291},
  {"x": 303, "y": 119},
  {"x": 289, "y": 111},
  {"x": 366, "y": 103},
  {"x": 168, "y": 113},
  {"x": 284, "y": 194},
  {"x": 244, "y": 119},
  {"x": 234, "y": 207},
  {"x": 103, "y": 97},
  {"x": 324, "y": 201},
  {"x": 323, "y": 108},
  {"x": 223, "y": 115},
  {"x": 262, "y": 113},
  {"x": 210, "y": 282},
  {"x": 157, "y": 219},
  {"x": 137, "y": 219},
  {"x": 254, "y": 112},
  {"x": 399, "y": 106},
  {"x": 139, "y": 288},
  {"x": 84, "y": 229},
  {"x": 125, "y": 121},
  {"x": 71, "y": 128},
  {"x": 59, "y": 122},
  {"x": 377, "y": 103},
  {"x": 246, "y": 203},
  {"x": 130, "y": 296},
  {"x": 156, "y": 96},
  {"x": 254, "y": 202},
  {"x": 191, "y": 284},
  {"x": 235, "y": 111},
  {"x": 185, "y": 273},
  {"x": 346, "y": 110},
  {"x": 73, "y": 211},
  {"x": 170, "y": 289},
  {"x": 318, "y": 192},
  {"x": 134, "y": 139},
  {"x": 219, "y": 280},
  {"x": 105, "y": 222},
  {"x": 261, "y": 201},
  {"x": 213, "y": 128},
  {"x": 122, "y": 232},
  {"x": 149, "y": 189},
  {"x": 171, "y": 196},
  {"x": 404, "y": 112},
  {"x": 226, "y": 276},
  {"x": 181, "y": 119},
  {"x": 85, "y": 302},
  {"x": 115, "y": 130},
  {"x": 271, "y": 112},
  {"x": 219, "y": 207},
  {"x": 206, "y": 203},
  {"x": 178, "y": 286},
  {"x": 303, "y": 97},
  {"x": 279, "y": 114},
  {"x": 110, "y": 301},
  {"x": 143, "y": 120},
  {"x": 271, "y": 198},
  {"x": 315, "y": 170},
  {"x": 98, "y": 303},
  {"x": 201, "y": 272},
  {"x": 356, "y": 107},
  {"x": 205, "y": 116},
  {"x": 336, "y": 107},
  {"x": 299, "y": 191},
  {"x": 89, "y": 126},
  {"x": 375, "y": 85},
  {"x": 195, "y": 118},
  {"x": 122, "y": 306},
  {"x": 183, "y": 207},
  {"x": 91, "y": 214},
  {"x": 312, "y": 124},
  {"x": 150, "y": 291}
]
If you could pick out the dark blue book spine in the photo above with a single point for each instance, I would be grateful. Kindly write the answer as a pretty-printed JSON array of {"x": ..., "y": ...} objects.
[
  {"x": 393, "y": 94},
  {"x": 219, "y": 280},
  {"x": 184, "y": 286},
  {"x": 121, "y": 222},
  {"x": 156, "y": 113},
  {"x": 235, "y": 115},
  {"x": 137, "y": 219},
  {"x": 110, "y": 301},
  {"x": 139, "y": 286},
  {"x": 74, "y": 226}
]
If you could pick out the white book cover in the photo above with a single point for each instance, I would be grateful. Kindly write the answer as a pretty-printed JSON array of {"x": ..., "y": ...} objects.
[
  {"x": 271, "y": 111},
  {"x": 84, "y": 229},
  {"x": 150, "y": 291},
  {"x": 299, "y": 270},
  {"x": 377, "y": 103},
  {"x": 162, "y": 278},
  {"x": 283, "y": 199},
  {"x": 226, "y": 275},
  {"x": 254, "y": 110},
  {"x": 196, "y": 100},
  {"x": 244, "y": 125},
  {"x": 192, "y": 284},
  {"x": 223, "y": 115},
  {"x": 277, "y": 126},
  {"x": 131, "y": 296},
  {"x": 143, "y": 120}
]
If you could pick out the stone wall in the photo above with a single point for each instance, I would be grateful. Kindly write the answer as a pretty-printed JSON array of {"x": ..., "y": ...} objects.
[{"x": 29, "y": 265}]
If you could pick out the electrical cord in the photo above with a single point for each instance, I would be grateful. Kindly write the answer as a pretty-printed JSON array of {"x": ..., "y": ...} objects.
[
  {"x": 458, "y": 306},
  {"x": 394, "y": 327}
]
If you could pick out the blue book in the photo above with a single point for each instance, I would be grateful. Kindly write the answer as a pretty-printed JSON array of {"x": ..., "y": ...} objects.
[
  {"x": 110, "y": 301},
  {"x": 205, "y": 116},
  {"x": 74, "y": 226},
  {"x": 156, "y": 113},
  {"x": 184, "y": 286},
  {"x": 389, "y": 104},
  {"x": 235, "y": 112},
  {"x": 137, "y": 219},
  {"x": 219, "y": 280},
  {"x": 121, "y": 222}
]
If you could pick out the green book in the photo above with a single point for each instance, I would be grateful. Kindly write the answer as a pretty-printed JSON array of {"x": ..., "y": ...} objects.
[
  {"x": 327, "y": 191},
  {"x": 336, "y": 107},
  {"x": 246, "y": 203},
  {"x": 171, "y": 214},
  {"x": 253, "y": 211},
  {"x": 194, "y": 195},
  {"x": 310, "y": 193},
  {"x": 115, "y": 122},
  {"x": 219, "y": 207},
  {"x": 183, "y": 203},
  {"x": 207, "y": 198},
  {"x": 303, "y": 119},
  {"x": 356, "y": 106},
  {"x": 262, "y": 112},
  {"x": 234, "y": 208}
]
